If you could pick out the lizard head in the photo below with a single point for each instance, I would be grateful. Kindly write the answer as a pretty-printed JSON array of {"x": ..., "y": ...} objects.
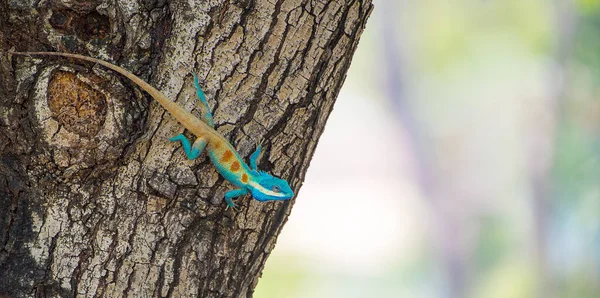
[{"x": 269, "y": 188}]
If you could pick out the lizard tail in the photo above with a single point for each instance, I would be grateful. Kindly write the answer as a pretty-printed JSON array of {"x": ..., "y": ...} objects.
[
  {"x": 183, "y": 116},
  {"x": 163, "y": 100}
]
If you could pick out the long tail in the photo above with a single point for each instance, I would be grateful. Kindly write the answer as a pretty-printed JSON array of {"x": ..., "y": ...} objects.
[
  {"x": 183, "y": 116},
  {"x": 163, "y": 100}
]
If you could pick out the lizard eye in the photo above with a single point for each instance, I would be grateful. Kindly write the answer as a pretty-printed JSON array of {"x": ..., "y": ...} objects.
[{"x": 276, "y": 188}]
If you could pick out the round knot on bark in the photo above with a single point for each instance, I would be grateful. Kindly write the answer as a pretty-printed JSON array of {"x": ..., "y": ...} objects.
[
  {"x": 60, "y": 20},
  {"x": 86, "y": 119},
  {"x": 80, "y": 22},
  {"x": 78, "y": 107}
]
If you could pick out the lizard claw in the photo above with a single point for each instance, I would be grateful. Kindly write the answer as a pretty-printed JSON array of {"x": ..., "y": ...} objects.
[{"x": 232, "y": 206}]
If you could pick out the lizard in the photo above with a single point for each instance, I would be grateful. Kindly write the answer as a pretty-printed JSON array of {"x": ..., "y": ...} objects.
[{"x": 248, "y": 179}]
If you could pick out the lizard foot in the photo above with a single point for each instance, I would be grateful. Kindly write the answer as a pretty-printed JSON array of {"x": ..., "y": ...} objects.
[{"x": 232, "y": 206}]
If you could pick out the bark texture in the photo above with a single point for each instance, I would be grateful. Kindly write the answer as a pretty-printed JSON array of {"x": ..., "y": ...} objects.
[{"x": 94, "y": 200}]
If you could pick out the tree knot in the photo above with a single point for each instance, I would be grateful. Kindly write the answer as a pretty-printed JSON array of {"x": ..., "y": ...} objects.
[{"x": 76, "y": 105}]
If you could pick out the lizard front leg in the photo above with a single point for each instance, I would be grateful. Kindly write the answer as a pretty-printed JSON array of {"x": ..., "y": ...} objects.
[
  {"x": 254, "y": 157},
  {"x": 233, "y": 194},
  {"x": 192, "y": 151}
]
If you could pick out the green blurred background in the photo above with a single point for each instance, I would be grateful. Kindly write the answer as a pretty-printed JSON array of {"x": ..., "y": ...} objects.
[{"x": 462, "y": 159}]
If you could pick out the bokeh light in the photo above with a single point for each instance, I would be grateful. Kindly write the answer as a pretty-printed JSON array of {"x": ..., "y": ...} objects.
[{"x": 462, "y": 159}]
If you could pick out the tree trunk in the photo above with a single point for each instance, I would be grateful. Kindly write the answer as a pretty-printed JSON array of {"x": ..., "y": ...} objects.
[{"x": 94, "y": 199}]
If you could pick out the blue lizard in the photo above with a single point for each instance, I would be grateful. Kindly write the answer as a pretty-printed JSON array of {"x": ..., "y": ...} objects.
[{"x": 261, "y": 185}]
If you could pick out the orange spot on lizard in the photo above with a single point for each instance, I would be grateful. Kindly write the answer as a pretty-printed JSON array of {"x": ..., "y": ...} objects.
[
  {"x": 226, "y": 156},
  {"x": 244, "y": 178},
  {"x": 235, "y": 166}
]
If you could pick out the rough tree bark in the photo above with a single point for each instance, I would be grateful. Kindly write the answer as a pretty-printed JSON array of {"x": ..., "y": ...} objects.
[{"x": 94, "y": 200}]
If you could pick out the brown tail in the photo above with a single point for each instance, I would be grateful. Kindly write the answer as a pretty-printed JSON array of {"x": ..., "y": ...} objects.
[{"x": 183, "y": 116}]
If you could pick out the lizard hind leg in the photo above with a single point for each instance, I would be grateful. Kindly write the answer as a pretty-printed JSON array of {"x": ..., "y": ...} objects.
[
  {"x": 192, "y": 151},
  {"x": 206, "y": 114}
]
